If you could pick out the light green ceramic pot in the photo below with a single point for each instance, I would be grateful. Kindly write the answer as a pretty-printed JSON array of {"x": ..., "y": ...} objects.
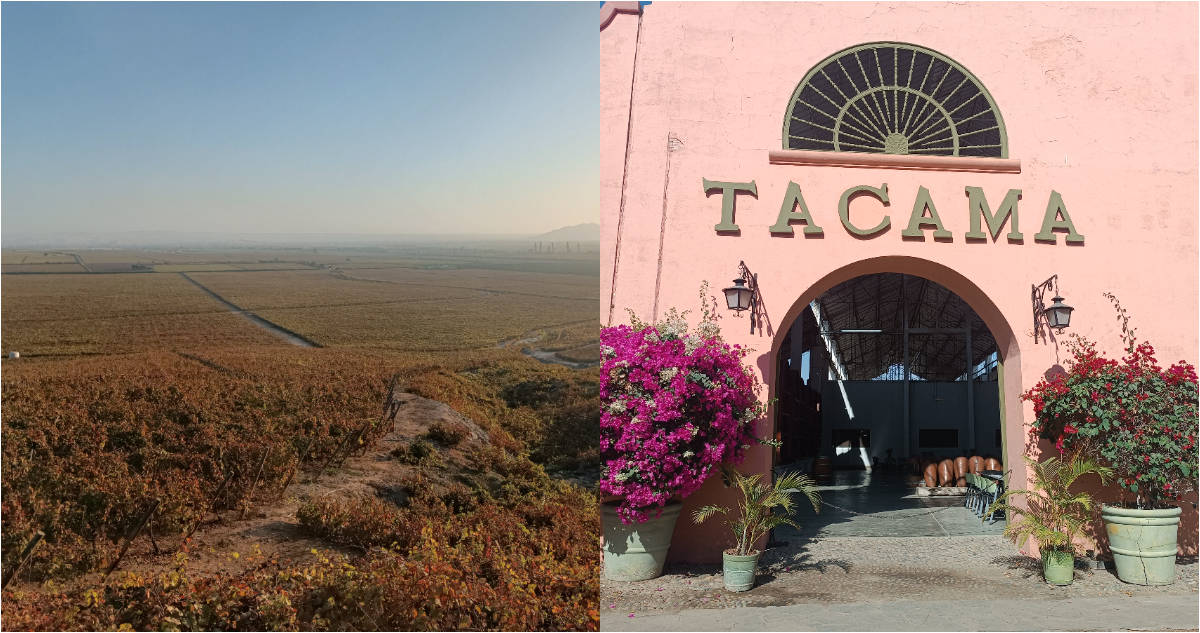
[
  {"x": 739, "y": 571},
  {"x": 1143, "y": 543},
  {"x": 638, "y": 551},
  {"x": 1058, "y": 567}
]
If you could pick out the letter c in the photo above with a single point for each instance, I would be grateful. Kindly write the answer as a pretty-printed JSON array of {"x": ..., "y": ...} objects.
[{"x": 844, "y": 209}]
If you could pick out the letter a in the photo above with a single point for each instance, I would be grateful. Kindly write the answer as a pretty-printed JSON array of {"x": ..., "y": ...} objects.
[
  {"x": 787, "y": 214},
  {"x": 918, "y": 219},
  {"x": 1054, "y": 208}
]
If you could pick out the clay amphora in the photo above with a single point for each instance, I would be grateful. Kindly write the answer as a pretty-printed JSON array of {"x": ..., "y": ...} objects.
[
  {"x": 946, "y": 472},
  {"x": 991, "y": 463},
  {"x": 960, "y": 467},
  {"x": 975, "y": 464},
  {"x": 930, "y": 476},
  {"x": 961, "y": 483}
]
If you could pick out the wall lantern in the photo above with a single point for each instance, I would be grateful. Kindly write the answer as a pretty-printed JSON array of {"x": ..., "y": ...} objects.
[
  {"x": 1056, "y": 316},
  {"x": 738, "y": 296},
  {"x": 743, "y": 294}
]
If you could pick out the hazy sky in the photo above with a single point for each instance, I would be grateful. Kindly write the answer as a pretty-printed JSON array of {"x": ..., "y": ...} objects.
[{"x": 304, "y": 117}]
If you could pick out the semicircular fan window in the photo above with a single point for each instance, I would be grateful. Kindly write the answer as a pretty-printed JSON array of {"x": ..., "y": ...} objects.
[{"x": 894, "y": 98}]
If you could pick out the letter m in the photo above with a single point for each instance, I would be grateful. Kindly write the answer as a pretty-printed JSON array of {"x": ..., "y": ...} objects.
[{"x": 977, "y": 207}]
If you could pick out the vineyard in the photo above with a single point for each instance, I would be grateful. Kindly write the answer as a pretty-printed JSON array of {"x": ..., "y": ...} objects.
[
  {"x": 394, "y": 302},
  {"x": 65, "y": 315},
  {"x": 280, "y": 487},
  {"x": 87, "y": 446}
]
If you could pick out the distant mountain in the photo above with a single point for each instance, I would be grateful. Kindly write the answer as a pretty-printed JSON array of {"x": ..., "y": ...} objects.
[
  {"x": 589, "y": 232},
  {"x": 186, "y": 239}
]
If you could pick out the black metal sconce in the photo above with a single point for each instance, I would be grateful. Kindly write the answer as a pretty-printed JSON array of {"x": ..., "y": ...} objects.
[
  {"x": 1057, "y": 316},
  {"x": 743, "y": 294}
]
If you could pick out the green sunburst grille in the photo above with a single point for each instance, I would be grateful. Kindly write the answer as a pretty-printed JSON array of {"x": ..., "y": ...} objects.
[{"x": 892, "y": 98}]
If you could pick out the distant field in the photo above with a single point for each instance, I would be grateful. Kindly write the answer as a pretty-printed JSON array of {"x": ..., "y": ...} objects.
[
  {"x": 539, "y": 284},
  {"x": 58, "y": 267},
  {"x": 429, "y": 310},
  {"x": 180, "y": 268},
  {"x": 35, "y": 257},
  {"x": 429, "y": 299},
  {"x": 117, "y": 313}
]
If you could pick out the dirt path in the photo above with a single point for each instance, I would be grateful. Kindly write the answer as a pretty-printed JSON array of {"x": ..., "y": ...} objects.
[
  {"x": 79, "y": 260},
  {"x": 542, "y": 355},
  {"x": 281, "y": 332}
]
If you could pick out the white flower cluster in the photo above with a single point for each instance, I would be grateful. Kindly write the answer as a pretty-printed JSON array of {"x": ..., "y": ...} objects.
[
  {"x": 708, "y": 329},
  {"x": 674, "y": 326},
  {"x": 607, "y": 351},
  {"x": 667, "y": 375},
  {"x": 616, "y": 406}
]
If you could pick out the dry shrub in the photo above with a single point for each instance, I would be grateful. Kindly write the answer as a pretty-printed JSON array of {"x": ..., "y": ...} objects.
[
  {"x": 418, "y": 452},
  {"x": 364, "y": 523},
  {"x": 447, "y": 433}
]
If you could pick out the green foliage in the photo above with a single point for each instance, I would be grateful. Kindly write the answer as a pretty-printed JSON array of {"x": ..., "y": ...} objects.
[
  {"x": 1054, "y": 516},
  {"x": 757, "y": 509}
]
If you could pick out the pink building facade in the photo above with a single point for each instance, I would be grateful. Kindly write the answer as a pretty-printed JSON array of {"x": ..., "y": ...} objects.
[{"x": 1091, "y": 117}]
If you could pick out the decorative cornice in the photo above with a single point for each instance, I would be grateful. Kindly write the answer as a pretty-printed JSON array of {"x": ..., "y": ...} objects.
[
  {"x": 610, "y": 9},
  {"x": 894, "y": 161}
]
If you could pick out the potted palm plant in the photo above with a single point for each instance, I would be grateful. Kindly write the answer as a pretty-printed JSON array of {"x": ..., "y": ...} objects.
[
  {"x": 763, "y": 507},
  {"x": 1141, "y": 420},
  {"x": 1054, "y": 516}
]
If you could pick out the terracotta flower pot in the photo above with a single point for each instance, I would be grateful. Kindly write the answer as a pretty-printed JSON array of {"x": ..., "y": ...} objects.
[
  {"x": 991, "y": 463},
  {"x": 960, "y": 467},
  {"x": 961, "y": 482},
  {"x": 975, "y": 464}
]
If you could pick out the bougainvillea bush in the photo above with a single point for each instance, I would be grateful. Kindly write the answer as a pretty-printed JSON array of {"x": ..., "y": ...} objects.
[
  {"x": 676, "y": 405},
  {"x": 1138, "y": 417}
]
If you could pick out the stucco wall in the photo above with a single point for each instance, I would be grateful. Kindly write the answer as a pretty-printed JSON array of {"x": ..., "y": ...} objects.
[{"x": 1100, "y": 105}]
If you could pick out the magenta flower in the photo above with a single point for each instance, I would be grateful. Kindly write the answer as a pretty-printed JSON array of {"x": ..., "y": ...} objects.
[{"x": 677, "y": 405}]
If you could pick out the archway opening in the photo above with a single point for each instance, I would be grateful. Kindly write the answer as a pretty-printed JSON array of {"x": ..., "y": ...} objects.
[{"x": 876, "y": 378}]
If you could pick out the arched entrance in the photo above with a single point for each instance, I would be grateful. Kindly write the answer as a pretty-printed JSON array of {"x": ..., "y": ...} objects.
[{"x": 882, "y": 364}]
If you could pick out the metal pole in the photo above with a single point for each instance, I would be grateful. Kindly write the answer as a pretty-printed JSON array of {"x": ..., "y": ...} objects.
[
  {"x": 970, "y": 387},
  {"x": 25, "y": 556},
  {"x": 257, "y": 475},
  {"x": 213, "y": 502},
  {"x": 907, "y": 422},
  {"x": 329, "y": 461},
  {"x": 132, "y": 535},
  {"x": 299, "y": 461}
]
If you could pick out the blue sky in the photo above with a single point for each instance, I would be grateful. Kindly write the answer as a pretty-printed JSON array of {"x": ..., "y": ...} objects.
[{"x": 299, "y": 117}]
